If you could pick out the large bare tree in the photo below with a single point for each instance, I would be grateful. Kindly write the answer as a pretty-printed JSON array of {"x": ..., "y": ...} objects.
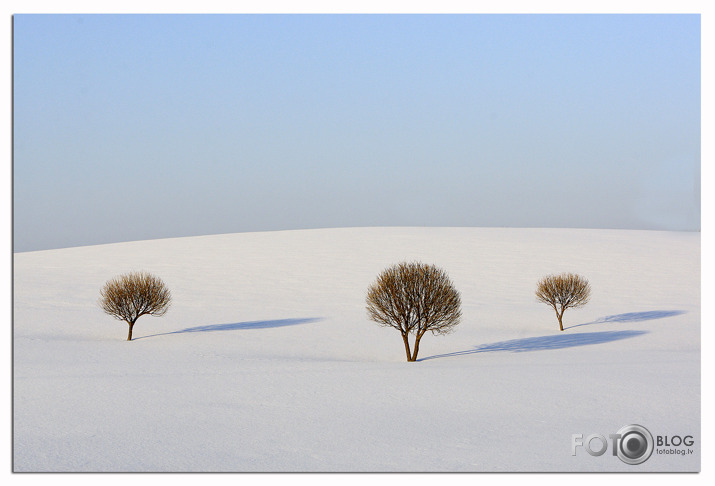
[
  {"x": 132, "y": 295},
  {"x": 414, "y": 298},
  {"x": 563, "y": 292}
]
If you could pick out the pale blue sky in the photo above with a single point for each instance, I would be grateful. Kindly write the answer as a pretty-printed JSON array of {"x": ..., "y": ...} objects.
[{"x": 130, "y": 127}]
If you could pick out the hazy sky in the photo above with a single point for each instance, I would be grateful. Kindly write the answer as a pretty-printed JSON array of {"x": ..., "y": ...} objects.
[{"x": 131, "y": 127}]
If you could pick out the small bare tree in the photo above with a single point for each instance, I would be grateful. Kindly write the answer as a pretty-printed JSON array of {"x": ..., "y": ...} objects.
[
  {"x": 130, "y": 296},
  {"x": 414, "y": 298},
  {"x": 563, "y": 292}
]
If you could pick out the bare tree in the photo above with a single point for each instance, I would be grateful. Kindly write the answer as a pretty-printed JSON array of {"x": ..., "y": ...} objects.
[
  {"x": 563, "y": 292},
  {"x": 130, "y": 296},
  {"x": 414, "y": 298}
]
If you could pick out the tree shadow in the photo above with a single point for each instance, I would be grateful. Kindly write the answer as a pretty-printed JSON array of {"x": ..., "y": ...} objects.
[
  {"x": 238, "y": 326},
  {"x": 633, "y": 317},
  {"x": 543, "y": 343}
]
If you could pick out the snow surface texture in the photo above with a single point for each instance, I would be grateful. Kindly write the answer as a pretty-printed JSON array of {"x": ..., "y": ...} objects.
[{"x": 266, "y": 360}]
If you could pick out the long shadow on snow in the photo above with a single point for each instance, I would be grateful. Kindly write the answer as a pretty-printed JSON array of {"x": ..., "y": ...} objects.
[
  {"x": 542, "y": 343},
  {"x": 237, "y": 326},
  {"x": 633, "y": 317}
]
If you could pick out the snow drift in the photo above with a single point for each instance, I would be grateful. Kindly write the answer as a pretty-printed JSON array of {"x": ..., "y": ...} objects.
[{"x": 266, "y": 360}]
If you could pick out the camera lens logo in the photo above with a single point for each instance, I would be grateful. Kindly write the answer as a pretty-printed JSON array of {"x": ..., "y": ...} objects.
[{"x": 635, "y": 444}]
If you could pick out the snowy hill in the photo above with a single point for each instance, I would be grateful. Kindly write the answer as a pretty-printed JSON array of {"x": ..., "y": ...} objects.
[{"x": 266, "y": 360}]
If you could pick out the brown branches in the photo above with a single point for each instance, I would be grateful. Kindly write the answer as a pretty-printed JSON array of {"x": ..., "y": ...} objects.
[
  {"x": 414, "y": 298},
  {"x": 130, "y": 296},
  {"x": 562, "y": 292}
]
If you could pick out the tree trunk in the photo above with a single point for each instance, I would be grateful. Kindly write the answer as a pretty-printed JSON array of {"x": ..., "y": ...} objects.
[
  {"x": 417, "y": 346},
  {"x": 559, "y": 315},
  {"x": 131, "y": 325},
  {"x": 407, "y": 346}
]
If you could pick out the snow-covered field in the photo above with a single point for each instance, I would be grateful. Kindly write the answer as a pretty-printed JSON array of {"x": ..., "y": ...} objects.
[{"x": 266, "y": 360}]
